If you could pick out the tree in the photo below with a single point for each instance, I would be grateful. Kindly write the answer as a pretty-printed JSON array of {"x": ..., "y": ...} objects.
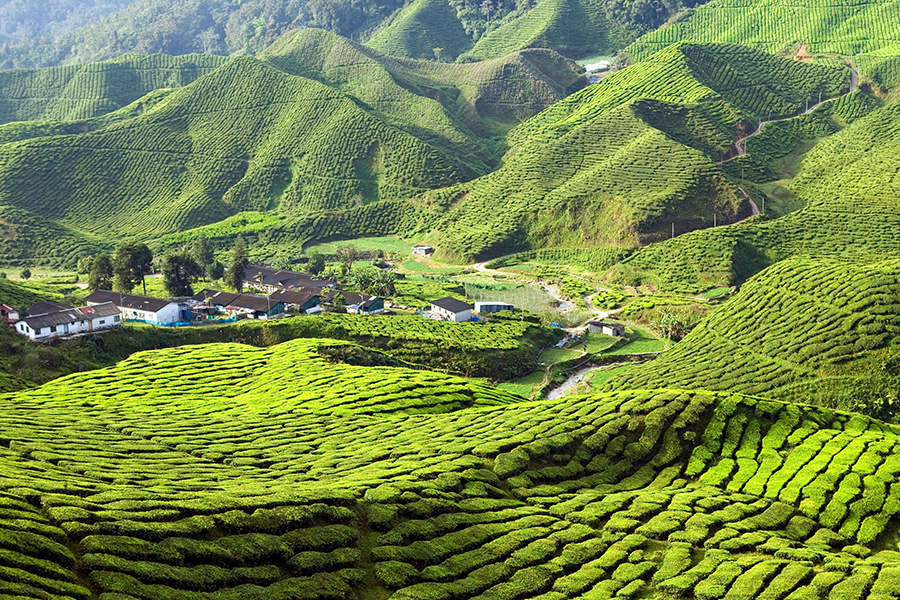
[
  {"x": 203, "y": 254},
  {"x": 84, "y": 264},
  {"x": 339, "y": 304},
  {"x": 316, "y": 263},
  {"x": 101, "y": 276},
  {"x": 384, "y": 282},
  {"x": 179, "y": 271},
  {"x": 363, "y": 279},
  {"x": 131, "y": 263},
  {"x": 234, "y": 278},
  {"x": 347, "y": 255},
  {"x": 216, "y": 270},
  {"x": 25, "y": 274}
]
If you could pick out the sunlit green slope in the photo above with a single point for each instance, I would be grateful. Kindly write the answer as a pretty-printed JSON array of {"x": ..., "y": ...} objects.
[
  {"x": 848, "y": 183},
  {"x": 623, "y": 160},
  {"x": 859, "y": 28},
  {"x": 227, "y": 472},
  {"x": 89, "y": 90},
  {"x": 426, "y": 29},
  {"x": 807, "y": 330}
]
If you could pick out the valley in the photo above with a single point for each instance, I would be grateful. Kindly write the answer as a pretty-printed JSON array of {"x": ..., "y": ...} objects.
[{"x": 320, "y": 300}]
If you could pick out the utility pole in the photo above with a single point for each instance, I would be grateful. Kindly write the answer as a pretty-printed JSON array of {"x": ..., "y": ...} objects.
[
  {"x": 673, "y": 229},
  {"x": 715, "y": 222}
]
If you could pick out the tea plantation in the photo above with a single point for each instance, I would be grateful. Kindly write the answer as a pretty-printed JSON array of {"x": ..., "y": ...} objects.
[
  {"x": 224, "y": 471},
  {"x": 622, "y": 161}
]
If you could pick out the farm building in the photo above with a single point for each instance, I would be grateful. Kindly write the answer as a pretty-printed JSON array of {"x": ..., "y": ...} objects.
[
  {"x": 255, "y": 307},
  {"x": 301, "y": 301},
  {"x": 422, "y": 250},
  {"x": 363, "y": 305},
  {"x": 157, "y": 311},
  {"x": 451, "y": 309},
  {"x": 62, "y": 320},
  {"x": 613, "y": 329},
  {"x": 492, "y": 307},
  {"x": 270, "y": 280},
  {"x": 214, "y": 298},
  {"x": 9, "y": 314}
]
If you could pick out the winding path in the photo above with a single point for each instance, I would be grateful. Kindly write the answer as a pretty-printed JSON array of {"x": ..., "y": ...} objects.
[{"x": 739, "y": 144}]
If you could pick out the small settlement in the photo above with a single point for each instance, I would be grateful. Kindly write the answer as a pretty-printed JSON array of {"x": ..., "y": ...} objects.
[{"x": 272, "y": 294}]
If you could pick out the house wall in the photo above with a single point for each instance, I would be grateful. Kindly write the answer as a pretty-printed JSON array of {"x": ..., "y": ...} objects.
[
  {"x": 457, "y": 317},
  {"x": 171, "y": 313}
]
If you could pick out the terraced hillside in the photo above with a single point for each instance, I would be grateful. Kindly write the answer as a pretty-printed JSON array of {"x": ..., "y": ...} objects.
[
  {"x": 846, "y": 185},
  {"x": 803, "y": 330},
  {"x": 319, "y": 125},
  {"x": 80, "y": 92},
  {"x": 622, "y": 161},
  {"x": 234, "y": 473},
  {"x": 867, "y": 28}
]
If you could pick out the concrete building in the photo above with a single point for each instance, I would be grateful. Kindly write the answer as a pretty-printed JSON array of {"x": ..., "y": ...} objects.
[
  {"x": 613, "y": 329},
  {"x": 486, "y": 308},
  {"x": 422, "y": 250},
  {"x": 61, "y": 322},
  {"x": 451, "y": 309},
  {"x": 157, "y": 311}
]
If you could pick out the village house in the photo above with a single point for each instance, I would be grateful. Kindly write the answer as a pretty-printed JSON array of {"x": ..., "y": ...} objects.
[
  {"x": 255, "y": 307},
  {"x": 9, "y": 314},
  {"x": 270, "y": 280},
  {"x": 358, "y": 304},
  {"x": 156, "y": 311},
  {"x": 62, "y": 320},
  {"x": 422, "y": 250},
  {"x": 301, "y": 301},
  {"x": 451, "y": 309},
  {"x": 613, "y": 329},
  {"x": 214, "y": 298},
  {"x": 486, "y": 308}
]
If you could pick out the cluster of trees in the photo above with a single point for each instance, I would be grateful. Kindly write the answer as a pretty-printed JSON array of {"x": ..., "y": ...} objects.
[
  {"x": 52, "y": 32},
  {"x": 128, "y": 266}
]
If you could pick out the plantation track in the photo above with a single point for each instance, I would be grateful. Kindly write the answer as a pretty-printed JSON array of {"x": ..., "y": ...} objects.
[{"x": 739, "y": 143}]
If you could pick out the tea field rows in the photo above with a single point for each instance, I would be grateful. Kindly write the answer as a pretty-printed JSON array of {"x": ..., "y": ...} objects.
[{"x": 246, "y": 474}]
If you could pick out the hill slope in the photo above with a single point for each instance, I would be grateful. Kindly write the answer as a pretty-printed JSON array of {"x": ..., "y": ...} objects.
[
  {"x": 621, "y": 161},
  {"x": 190, "y": 488},
  {"x": 170, "y": 161},
  {"x": 805, "y": 330},
  {"x": 846, "y": 185}
]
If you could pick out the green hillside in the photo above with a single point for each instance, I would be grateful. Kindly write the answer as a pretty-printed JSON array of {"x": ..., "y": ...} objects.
[
  {"x": 169, "y": 162},
  {"x": 623, "y": 160},
  {"x": 83, "y": 91},
  {"x": 858, "y": 28},
  {"x": 229, "y": 472},
  {"x": 803, "y": 330},
  {"x": 847, "y": 187},
  {"x": 426, "y": 29}
]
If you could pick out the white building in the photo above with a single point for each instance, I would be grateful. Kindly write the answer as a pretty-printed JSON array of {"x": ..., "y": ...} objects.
[
  {"x": 422, "y": 250},
  {"x": 70, "y": 321},
  {"x": 486, "y": 308},
  {"x": 613, "y": 329},
  {"x": 158, "y": 311},
  {"x": 451, "y": 309}
]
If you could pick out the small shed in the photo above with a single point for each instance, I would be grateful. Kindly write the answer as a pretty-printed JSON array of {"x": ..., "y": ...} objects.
[
  {"x": 9, "y": 314},
  {"x": 605, "y": 327},
  {"x": 486, "y": 308},
  {"x": 371, "y": 305},
  {"x": 422, "y": 250},
  {"x": 451, "y": 309}
]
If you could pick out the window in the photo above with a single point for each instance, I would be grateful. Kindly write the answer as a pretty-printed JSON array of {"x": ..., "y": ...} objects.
[
  {"x": 103, "y": 321},
  {"x": 116, "y": 318},
  {"x": 53, "y": 329}
]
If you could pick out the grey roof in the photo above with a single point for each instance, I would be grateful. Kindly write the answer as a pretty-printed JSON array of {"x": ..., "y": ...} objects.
[
  {"x": 47, "y": 306},
  {"x": 255, "y": 303},
  {"x": 292, "y": 297},
  {"x": 285, "y": 279},
  {"x": 605, "y": 324},
  {"x": 452, "y": 304},
  {"x": 71, "y": 315},
  {"x": 134, "y": 301},
  {"x": 215, "y": 297}
]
